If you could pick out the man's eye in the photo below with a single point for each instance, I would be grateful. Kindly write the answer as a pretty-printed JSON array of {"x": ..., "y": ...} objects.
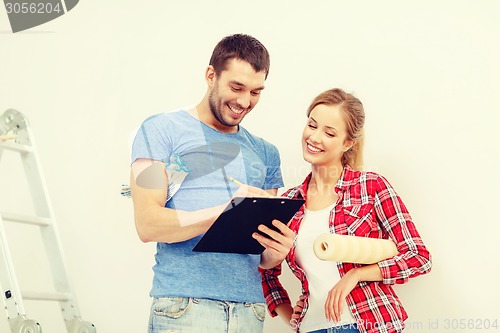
[
  {"x": 256, "y": 93},
  {"x": 235, "y": 89}
]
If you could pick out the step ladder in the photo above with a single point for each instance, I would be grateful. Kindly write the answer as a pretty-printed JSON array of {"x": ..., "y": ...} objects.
[{"x": 16, "y": 135}]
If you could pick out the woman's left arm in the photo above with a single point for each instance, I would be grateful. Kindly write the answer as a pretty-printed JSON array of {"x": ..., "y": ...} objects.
[{"x": 413, "y": 258}]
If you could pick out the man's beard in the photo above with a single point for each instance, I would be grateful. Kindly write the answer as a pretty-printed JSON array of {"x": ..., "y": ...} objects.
[{"x": 217, "y": 111}]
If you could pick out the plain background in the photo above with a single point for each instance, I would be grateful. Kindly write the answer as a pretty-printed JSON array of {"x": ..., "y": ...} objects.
[{"x": 426, "y": 71}]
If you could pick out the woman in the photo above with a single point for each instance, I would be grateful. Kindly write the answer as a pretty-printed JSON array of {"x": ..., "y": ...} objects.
[{"x": 344, "y": 297}]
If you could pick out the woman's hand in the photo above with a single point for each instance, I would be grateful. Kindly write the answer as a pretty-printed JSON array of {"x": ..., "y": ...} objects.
[
  {"x": 334, "y": 305},
  {"x": 277, "y": 246},
  {"x": 278, "y": 243},
  {"x": 297, "y": 309}
]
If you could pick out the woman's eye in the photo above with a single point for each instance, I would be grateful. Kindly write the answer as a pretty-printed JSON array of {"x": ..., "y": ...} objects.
[
  {"x": 330, "y": 135},
  {"x": 311, "y": 126}
]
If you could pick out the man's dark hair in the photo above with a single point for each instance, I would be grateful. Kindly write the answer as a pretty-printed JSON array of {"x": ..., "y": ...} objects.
[{"x": 242, "y": 47}]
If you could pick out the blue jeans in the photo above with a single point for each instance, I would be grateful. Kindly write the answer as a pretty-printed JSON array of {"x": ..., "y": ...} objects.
[
  {"x": 189, "y": 315},
  {"x": 339, "y": 329}
]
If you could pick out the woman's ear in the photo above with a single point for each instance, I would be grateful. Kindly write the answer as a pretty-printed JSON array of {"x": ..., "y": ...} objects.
[{"x": 348, "y": 145}]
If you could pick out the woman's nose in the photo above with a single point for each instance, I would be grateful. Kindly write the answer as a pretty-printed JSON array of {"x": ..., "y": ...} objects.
[{"x": 315, "y": 136}]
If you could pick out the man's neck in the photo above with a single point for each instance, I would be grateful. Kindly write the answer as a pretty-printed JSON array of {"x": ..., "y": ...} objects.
[{"x": 202, "y": 113}]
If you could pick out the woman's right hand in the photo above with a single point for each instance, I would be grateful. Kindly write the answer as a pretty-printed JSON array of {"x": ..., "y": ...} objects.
[{"x": 297, "y": 309}]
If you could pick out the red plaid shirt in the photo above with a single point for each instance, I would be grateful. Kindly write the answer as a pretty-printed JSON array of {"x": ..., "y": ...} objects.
[{"x": 368, "y": 206}]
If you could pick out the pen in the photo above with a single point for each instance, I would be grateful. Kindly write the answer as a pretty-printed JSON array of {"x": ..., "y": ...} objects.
[{"x": 235, "y": 181}]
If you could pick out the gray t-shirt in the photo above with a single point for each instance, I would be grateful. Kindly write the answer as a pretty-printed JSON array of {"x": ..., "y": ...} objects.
[{"x": 199, "y": 159}]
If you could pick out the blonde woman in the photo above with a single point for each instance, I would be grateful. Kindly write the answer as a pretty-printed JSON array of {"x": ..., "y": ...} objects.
[{"x": 344, "y": 297}]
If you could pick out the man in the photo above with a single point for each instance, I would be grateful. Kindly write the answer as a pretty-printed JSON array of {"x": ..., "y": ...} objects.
[{"x": 181, "y": 162}]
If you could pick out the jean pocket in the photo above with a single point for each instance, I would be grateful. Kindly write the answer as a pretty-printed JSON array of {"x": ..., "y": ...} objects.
[
  {"x": 259, "y": 310},
  {"x": 172, "y": 307}
]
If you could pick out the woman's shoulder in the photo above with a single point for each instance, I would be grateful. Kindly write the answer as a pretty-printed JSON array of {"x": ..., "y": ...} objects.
[
  {"x": 357, "y": 176},
  {"x": 293, "y": 192},
  {"x": 297, "y": 191},
  {"x": 368, "y": 179}
]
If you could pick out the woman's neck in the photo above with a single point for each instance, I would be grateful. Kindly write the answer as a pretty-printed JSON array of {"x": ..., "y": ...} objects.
[
  {"x": 326, "y": 176},
  {"x": 321, "y": 189}
]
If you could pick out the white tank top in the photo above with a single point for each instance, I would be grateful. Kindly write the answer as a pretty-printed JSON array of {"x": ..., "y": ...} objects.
[{"x": 321, "y": 275}]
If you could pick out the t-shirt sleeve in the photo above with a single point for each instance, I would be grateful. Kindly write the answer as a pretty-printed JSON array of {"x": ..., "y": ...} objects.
[
  {"x": 274, "y": 179},
  {"x": 152, "y": 141}
]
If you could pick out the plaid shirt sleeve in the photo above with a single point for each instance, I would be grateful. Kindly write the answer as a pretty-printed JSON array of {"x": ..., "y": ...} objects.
[
  {"x": 413, "y": 258},
  {"x": 274, "y": 292}
]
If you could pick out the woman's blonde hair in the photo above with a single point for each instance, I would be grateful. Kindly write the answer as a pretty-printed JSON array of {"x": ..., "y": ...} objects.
[{"x": 354, "y": 116}]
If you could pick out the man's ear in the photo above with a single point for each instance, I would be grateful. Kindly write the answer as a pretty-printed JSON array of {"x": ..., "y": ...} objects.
[{"x": 210, "y": 75}]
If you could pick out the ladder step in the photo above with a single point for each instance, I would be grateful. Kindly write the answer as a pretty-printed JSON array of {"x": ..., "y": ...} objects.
[
  {"x": 16, "y": 147},
  {"x": 38, "y": 296},
  {"x": 41, "y": 221}
]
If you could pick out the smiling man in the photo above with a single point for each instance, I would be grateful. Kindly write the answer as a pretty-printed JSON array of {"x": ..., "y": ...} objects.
[
  {"x": 232, "y": 94},
  {"x": 181, "y": 161}
]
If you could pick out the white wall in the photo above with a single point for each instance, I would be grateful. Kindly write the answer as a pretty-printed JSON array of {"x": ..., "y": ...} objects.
[{"x": 427, "y": 72}]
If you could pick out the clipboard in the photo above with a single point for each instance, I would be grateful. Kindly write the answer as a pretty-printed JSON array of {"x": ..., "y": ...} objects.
[{"x": 233, "y": 229}]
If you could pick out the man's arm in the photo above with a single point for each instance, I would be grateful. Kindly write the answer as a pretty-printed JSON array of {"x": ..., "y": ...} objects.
[
  {"x": 156, "y": 223},
  {"x": 273, "y": 191}
]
